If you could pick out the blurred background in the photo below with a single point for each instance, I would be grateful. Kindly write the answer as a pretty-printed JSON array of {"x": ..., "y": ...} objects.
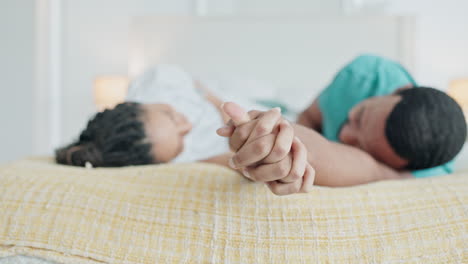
[{"x": 58, "y": 56}]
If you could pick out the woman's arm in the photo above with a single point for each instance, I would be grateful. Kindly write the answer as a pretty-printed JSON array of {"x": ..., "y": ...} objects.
[
  {"x": 212, "y": 99},
  {"x": 222, "y": 159}
]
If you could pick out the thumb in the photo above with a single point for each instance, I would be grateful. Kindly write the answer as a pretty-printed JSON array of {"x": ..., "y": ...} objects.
[
  {"x": 227, "y": 130},
  {"x": 237, "y": 114}
]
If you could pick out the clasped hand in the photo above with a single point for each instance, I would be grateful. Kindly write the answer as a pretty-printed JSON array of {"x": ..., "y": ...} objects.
[{"x": 266, "y": 150}]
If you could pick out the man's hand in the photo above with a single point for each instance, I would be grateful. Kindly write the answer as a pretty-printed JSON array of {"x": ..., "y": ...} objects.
[{"x": 266, "y": 150}]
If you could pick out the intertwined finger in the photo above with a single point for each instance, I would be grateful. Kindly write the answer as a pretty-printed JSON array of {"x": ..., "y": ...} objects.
[
  {"x": 299, "y": 157},
  {"x": 254, "y": 114},
  {"x": 270, "y": 172},
  {"x": 229, "y": 128},
  {"x": 285, "y": 188},
  {"x": 283, "y": 143},
  {"x": 266, "y": 123},
  {"x": 308, "y": 179},
  {"x": 253, "y": 152},
  {"x": 241, "y": 134},
  {"x": 303, "y": 185}
]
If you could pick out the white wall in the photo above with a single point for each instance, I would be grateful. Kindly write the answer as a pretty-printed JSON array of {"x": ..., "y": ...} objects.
[
  {"x": 288, "y": 7},
  {"x": 95, "y": 42},
  {"x": 95, "y": 38},
  {"x": 16, "y": 78},
  {"x": 441, "y": 38}
]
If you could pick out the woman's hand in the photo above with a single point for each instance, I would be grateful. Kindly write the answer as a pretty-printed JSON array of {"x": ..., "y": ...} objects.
[{"x": 266, "y": 150}]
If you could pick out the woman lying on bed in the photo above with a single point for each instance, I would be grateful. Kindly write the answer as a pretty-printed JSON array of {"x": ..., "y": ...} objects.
[{"x": 385, "y": 134}]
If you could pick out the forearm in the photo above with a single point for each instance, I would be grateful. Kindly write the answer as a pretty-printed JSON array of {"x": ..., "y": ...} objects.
[
  {"x": 311, "y": 117},
  {"x": 223, "y": 160},
  {"x": 214, "y": 100},
  {"x": 338, "y": 164},
  {"x": 304, "y": 120},
  {"x": 335, "y": 164}
]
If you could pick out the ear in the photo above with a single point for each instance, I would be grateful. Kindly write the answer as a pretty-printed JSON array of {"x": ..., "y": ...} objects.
[{"x": 408, "y": 86}]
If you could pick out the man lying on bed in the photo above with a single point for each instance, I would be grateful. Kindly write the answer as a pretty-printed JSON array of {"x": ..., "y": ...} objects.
[{"x": 386, "y": 132}]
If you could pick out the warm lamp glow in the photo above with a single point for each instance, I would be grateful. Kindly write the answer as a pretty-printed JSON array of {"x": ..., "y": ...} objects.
[
  {"x": 459, "y": 91},
  {"x": 110, "y": 91}
]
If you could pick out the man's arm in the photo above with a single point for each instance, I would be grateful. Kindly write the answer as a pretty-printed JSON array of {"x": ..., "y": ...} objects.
[
  {"x": 271, "y": 159},
  {"x": 311, "y": 117},
  {"x": 337, "y": 164}
]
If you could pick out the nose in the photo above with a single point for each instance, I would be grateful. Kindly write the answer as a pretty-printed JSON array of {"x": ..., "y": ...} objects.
[
  {"x": 183, "y": 124},
  {"x": 185, "y": 128}
]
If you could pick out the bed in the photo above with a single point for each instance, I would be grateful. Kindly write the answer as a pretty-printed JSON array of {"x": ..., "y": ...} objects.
[{"x": 202, "y": 213}]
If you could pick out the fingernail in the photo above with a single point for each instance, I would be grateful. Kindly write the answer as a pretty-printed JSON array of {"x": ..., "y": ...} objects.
[
  {"x": 222, "y": 105},
  {"x": 231, "y": 163},
  {"x": 278, "y": 109}
]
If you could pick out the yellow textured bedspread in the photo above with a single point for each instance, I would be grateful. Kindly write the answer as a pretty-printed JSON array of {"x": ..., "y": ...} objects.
[{"x": 199, "y": 213}]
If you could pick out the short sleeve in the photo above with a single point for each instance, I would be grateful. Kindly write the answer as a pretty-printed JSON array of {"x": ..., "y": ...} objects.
[
  {"x": 339, "y": 97},
  {"x": 364, "y": 77},
  {"x": 445, "y": 169}
]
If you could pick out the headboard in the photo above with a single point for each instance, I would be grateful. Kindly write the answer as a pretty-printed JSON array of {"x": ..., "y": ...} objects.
[{"x": 299, "y": 56}]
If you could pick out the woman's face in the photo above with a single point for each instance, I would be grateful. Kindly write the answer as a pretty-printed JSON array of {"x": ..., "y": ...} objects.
[
  {"x": 165, "y": 129},
  {"x": 365, "y": 129}
]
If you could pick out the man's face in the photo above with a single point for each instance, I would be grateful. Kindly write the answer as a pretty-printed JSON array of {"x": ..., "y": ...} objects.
[{"x": 365, "y": 129}]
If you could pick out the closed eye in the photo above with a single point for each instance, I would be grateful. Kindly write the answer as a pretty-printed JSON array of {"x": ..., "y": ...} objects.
[{"x": 170, "y": 115}]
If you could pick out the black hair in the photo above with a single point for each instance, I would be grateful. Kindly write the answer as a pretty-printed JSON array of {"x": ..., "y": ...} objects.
[
  {"x": 427, "y": 127},
  {"x": 112, "y": 138}
]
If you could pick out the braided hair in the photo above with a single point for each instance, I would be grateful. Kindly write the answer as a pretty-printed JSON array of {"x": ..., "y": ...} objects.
[
  {"x": 112, "y": 138},
  {"x": 427, "y": 127}
]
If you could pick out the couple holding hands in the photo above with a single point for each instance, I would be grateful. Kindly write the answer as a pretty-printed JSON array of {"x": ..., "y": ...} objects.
[{"x": 372, "y": 122}]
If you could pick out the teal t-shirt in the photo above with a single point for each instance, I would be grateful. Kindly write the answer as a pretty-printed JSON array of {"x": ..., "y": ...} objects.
[{"x": 366, "y": 76}]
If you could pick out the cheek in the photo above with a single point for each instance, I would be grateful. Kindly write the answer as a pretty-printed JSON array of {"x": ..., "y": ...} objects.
[
  {"x": 372, "y": 137},
  {"x": 165, "y": 151},
  {"x": 167, "y": 146}
]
